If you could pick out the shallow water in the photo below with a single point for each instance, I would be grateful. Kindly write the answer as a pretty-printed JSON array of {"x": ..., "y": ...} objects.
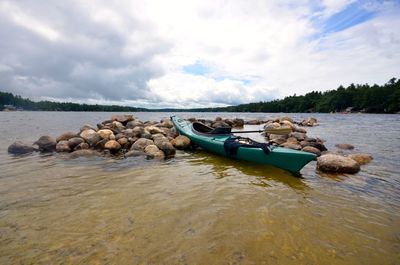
[{"x": 198, "y": 208}]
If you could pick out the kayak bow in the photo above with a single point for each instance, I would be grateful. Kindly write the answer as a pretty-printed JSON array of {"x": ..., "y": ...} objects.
[{"x": 216, "y": 141}]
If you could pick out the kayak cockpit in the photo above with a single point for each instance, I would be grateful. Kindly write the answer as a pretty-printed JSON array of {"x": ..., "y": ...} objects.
[{"x": 202, "y": 129}]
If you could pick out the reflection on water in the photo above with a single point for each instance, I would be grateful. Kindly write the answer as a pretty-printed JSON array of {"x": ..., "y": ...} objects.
[{"x": 196, "y": 208}]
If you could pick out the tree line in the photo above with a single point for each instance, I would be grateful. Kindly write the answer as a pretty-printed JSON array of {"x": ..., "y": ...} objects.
[{"x": 364, "y": 98}]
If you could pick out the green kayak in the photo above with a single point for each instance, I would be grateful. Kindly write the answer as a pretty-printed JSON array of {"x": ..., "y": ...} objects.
[{"x": 222, "y": 142}]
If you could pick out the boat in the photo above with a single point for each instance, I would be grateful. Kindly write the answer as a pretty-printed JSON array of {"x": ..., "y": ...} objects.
[{"x": 223, "y": 142}]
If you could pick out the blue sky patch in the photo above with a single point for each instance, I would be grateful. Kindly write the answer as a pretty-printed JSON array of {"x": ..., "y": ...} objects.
[{"x": 196, "y": 69}]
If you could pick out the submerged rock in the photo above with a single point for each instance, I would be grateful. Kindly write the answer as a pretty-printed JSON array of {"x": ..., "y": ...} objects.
[
  {"x": 20, "y": 148},
  {"x": 84, "y": 153},
  {"x": 337, "y": 164},
  {"x": 361, "y": 158},
  {"x": 345, "y": 146}
]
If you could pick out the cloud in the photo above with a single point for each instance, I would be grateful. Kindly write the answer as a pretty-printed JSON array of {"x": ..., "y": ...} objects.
[{"x": 194, "y": 53}]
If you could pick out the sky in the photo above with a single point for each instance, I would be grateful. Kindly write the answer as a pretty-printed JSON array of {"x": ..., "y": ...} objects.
[{"x": 189, "y": 54}]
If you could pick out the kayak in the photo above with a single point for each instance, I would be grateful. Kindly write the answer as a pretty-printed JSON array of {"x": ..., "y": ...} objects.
[{"x": 222, "y": 142}]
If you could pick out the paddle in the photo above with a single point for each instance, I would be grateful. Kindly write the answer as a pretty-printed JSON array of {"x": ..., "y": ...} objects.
[{"x": 280, "y": 131}]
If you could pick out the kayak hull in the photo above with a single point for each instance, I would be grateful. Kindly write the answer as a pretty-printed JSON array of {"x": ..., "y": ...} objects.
[{"x": 284, "y": 158}]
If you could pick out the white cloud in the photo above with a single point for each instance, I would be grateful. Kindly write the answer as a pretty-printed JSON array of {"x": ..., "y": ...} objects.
[{"x": 135, "y": 52}]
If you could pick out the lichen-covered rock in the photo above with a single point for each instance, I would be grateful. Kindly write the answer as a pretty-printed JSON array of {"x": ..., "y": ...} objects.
[
  {"x": 345, "y": 146},
  {"x": 181, "y": 142},
  {"x": 90, "y": 136},
  {"x": 337, "y": 164},
  {"x": 63, "y": 146},
  {"x": 112, "y": 145},
  {"x": 361, "y": 158},
  {"x": 46, "y": 143},
  {"x": 66, "y": 136},
  {"x": 20, "y": 148},
  {"x": 105, "y": 133},
  {"x": 141, "y": 144},
  {"x": 311, "y": 149}
]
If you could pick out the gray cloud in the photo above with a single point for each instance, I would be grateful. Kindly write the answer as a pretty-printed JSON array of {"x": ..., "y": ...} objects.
[{"x": 90, "y": 59}]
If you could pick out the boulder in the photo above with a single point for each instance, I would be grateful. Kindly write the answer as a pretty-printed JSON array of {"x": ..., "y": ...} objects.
[
  {"x": 112, "y": 145},
  {"x": 100, "y": 144},
  {"x": 133, "y": 124},
  {"x": 82, "y": 146},
  {"x": 181, "y": 142},
  {"x": 123, "y": 118},
  {"x": 337, "y": 164},
  {"x": 73, "y": 142},
  {"x": 271, "y": 126},
  {"x": 311, "y": 149},
  {"x": 141, "y": 144},
  {"x": 20, "y": 148},
  {"x": 118, "y": 125},
  {"x": 238, "y": 123},
  {"x": 90, "y": 136},
  {"x": 289, "y": 124},
  {"x": 153, "y": 129},
  {"x": 320, "y": 146},
  {"x": 298, "y": 136},
  {"x": 299, "y": 129},
  {"x": 290, "y": 145},
  {"x": 278, "y": 139},
  {"x": 153, "y": 151},
  {"x": 105, "y": 133},
  {"x": 219, "y": 124},
  {"x": 361, "y": 158},
  {"x": 123, "y": 141},
  {"x": 167, "y": 148},
  {"x": 46, "y": 143},
  {"x": 87, "y": 127},
  {"x": 167, "y": 123},
  {"x": 66, "y": 136},
  {"x": 345, "y": 146},
  {"x": 254, "y": 122},
  {"x": 285, "y": 118},
  {"x": 63, "y": 146}
]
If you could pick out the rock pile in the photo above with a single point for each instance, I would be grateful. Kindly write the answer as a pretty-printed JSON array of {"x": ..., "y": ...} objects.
[{"x": 121, "y": 135}]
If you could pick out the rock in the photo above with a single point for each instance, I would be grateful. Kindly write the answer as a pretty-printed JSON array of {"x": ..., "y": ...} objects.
[
  {"x": 73, "y": 142},
  {"x": 134, "y": 153},
  {"x": 84, "y": 153},
  {"x": 112, "y": 145},
  {"x": 311, "y": 149},
  {"x": 254, "y": 122},
  {"x": 122, "y": 118},
  {"x": 123, "y": 141},
  {"x": 63, "y": 146},
  {"x": 278, "y": 139},
  {"x": 219, "y": 124},
  {"x": 82, "y": 146},
  {"x": 100, "y": 144},
  {"x": 141, "y": 144},
  {"x": 299, "y": 129},
  {"x": 318, "y": 145},
  {"x": 294, "y": 146},
  {"x": 66, "y": 136},
  {"x": 90, "y": 136},
  {"x": 20, "y": 148},
  {"x": 133, "y": 124},
  {"x": 238, "y": 123},
  {"x": 46, "y": 144},
  {"x": 361, "y": 158},
  {"x": 105, "y": 133},
  {"x": 271, "y": 126},
  {"x": 337, "y": 164},
  {"x": 229, "y": 122},
  {"x": 167, "y": 123},
  {"x": 153, "y": 151},
  {"x": 292, "y": 140},
  {"x": 285, "y": 118},
  {"x": 167, "y": 148},
  {"x": 345, "y": 146},
  {"x": 87, "y": 127},
  {"x": 181, "y": 142},
  {"x": 299, "y": 136},
  {"x": 117, "y": 126},
  {"x": 153, "y": 129},
  {"x": 286, "y": 123}
]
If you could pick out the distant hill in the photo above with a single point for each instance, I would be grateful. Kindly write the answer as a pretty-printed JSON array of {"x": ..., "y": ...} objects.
[{"x": 362, "y": 98}]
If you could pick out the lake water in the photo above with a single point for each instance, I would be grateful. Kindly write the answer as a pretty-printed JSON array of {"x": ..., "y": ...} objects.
[{"x": 198, "y": 208}]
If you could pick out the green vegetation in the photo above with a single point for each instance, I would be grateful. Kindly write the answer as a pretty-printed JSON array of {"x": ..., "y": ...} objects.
[
  {"x": 27, "y": 104},
  {"x": 365, "y": 98}
]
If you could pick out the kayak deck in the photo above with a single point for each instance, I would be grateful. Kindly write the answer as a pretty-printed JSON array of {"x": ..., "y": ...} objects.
[{"x": 285, "y": 158}]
